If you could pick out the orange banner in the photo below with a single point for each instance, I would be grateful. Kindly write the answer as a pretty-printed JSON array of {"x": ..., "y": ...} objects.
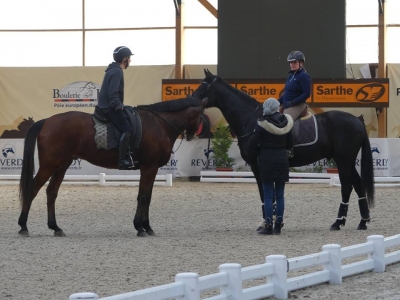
[
  {"x": 324, "y": 92},
  {"x": 354, "y": 93}
]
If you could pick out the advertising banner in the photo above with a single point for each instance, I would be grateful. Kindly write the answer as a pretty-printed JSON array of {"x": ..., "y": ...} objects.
[
  {"x": 324, "y": 92},
  {"x": 189, "y": 158},
  {"x": 393, "y": 114}
]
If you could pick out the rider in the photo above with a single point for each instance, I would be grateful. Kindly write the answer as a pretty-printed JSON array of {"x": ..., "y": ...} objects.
[
  {"x": 111, "y": 102},
  {"x": 297, "y": 88}
]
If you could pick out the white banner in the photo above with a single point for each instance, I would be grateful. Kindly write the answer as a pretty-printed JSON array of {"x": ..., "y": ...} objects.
[{"x": 189, "y": 158}]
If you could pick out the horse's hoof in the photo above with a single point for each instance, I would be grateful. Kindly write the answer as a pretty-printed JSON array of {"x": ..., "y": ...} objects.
[
  {"x": 151, "y": 232},
  {"x": 59, "y": 233},
  {"x": 362, "y": 227},
  {"x": 24, "y": 233},
  {"x": 142, "y": 234},
  {"x": 335, "y": 227}
]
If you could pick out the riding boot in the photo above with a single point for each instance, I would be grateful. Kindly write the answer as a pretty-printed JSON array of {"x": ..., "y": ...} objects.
[
  {"x": 268, "y": 228},
  {"x": 124, "y": 159},
  {"x": 277, "y": 228},
  {"x": 290, "y": 152}
]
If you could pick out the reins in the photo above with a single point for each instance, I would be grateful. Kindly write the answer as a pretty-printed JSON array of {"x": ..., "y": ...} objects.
[{"x": 166, "y": 121}]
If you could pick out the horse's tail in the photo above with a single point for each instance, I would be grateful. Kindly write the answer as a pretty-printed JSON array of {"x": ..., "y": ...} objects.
[
  {"x": 367, "y": 171},
  {"x": 28, "y": 164}
]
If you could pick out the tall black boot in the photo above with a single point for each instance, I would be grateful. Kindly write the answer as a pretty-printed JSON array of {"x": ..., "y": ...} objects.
[{"x": 125, "y": 160}]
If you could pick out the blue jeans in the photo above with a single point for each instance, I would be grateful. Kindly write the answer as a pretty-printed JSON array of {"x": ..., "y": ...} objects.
[{"x": 272, "y": 189}]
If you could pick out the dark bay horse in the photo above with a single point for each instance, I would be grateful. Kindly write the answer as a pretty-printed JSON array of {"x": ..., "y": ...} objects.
[
  {"x": 68, "y": 136},
  {"x": 340, "y": 136}
]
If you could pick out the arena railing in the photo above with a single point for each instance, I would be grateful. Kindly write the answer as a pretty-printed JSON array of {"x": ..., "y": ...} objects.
[
  {"x": 101, "y": 179},
  {"x": 275, "y": 270}
]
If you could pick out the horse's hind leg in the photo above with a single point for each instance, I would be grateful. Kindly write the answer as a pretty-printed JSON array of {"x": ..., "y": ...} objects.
[
  {"x": 362, "y": 201},
  {"x": 40, "y": 179},
  {"x": 345, "y": 181},
  {"x": 52, "y": 193}
]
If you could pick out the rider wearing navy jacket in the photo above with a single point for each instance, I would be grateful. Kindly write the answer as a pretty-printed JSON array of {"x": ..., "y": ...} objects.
[
  {"x": 297, "y": 88},
  {"x": 111, "y": 102}
]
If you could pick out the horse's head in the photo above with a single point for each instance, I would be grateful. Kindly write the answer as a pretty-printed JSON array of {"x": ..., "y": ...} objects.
[
  {"x": 205, "y": 88},
  {"x": 194, "y": 118}
]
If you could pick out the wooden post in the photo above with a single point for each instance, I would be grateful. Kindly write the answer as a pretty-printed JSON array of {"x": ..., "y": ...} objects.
[
  {"x": 382, "y": 112},
  {"x": 179, "y": 40}
]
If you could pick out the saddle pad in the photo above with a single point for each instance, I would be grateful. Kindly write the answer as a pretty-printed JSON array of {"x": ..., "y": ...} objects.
[
  {"x": 305, "y": 131},
  {"x": 107, "y": 136}
]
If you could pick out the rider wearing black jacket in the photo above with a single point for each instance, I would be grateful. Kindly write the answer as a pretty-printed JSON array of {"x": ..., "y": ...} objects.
[{"x": 111, "y": 102}]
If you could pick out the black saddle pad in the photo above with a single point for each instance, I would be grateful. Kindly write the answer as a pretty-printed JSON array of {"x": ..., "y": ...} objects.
[
  {"x": 305, "y": 131},
  {"x": 107, "y": 136}
]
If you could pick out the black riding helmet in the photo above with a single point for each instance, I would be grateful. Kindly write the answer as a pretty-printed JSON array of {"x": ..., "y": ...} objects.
[
  {"x": 296, "y": 55},
  {"x": 121, "y": 52}
]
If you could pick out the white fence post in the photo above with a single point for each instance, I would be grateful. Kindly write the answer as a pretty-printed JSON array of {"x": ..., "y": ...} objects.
[
  {"x": 335, "y": 263},
  {"x": 102, "y": 179},
  {"x": 191, "y": 283},
  {"x": 279, "y": 279},
  {"x": 379, "y": 252},
  {"x": 168, "y": 178},
  {"x": 84, "y": 296},
  {"x": 234, "y": 287}
]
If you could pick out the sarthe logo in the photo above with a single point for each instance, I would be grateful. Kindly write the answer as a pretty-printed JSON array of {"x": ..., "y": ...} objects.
[
  {"x": 370, "y": 92},
  {"x": 8, "y": 151}
]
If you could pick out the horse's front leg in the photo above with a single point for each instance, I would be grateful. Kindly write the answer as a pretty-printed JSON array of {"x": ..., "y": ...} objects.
[
  {"x": 141, "y": 220},
  {"x": 256, "y": 172}
]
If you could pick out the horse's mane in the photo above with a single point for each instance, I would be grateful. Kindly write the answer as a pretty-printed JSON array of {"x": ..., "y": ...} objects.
[
  {"x": 238, "y": 92},
  {"x": 173, "y": 105}
]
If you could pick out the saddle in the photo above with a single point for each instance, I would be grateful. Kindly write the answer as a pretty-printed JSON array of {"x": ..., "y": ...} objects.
[
  {"x": 107, "y": 136},
  {"x": 305, "y": 130}
]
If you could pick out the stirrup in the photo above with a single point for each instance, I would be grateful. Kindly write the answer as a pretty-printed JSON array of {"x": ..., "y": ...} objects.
[{"x": 290, "y": 153}]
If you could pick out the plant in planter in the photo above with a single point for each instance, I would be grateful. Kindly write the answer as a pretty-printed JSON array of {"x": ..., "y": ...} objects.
[
  {"x": 332, "y": 168},
  {"x": 221, "y": 142}
]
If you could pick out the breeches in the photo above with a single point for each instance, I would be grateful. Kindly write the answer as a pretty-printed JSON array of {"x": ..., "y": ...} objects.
[
  {"x": 119, "y": 120},
  {"x": 295, "y": 111}
]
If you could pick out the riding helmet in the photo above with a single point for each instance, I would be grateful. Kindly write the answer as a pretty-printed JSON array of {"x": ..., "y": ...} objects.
[
  {"x": 296, "y": 55},
  {"x": 121, "y": 52}
]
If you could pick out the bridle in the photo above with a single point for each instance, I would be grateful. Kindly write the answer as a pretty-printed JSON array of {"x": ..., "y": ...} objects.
[{"x": 208, "y": 89}]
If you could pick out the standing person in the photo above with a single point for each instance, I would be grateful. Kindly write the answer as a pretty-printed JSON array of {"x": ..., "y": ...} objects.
[
  {"x": 111, "y": 103},
  {"x": 297, "y": 88},
  {"x": 270, "y": 140}
]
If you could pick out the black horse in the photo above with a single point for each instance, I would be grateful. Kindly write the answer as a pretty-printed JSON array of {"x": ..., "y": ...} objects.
[{"x": 340, "y": 136}]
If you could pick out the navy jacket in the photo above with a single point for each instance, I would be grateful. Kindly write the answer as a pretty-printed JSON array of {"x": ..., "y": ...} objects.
[
  {"x": 112, "y": 89},
  {"x": 297, "y": 89}
]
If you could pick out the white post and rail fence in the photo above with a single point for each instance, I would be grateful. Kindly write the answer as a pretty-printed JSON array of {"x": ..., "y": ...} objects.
[{"x": 229, "y": 280}]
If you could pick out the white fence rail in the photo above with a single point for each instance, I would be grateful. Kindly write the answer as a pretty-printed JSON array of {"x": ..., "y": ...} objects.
[
  {"x": 188, "y": 286},
  {"x": 101, "y": 179},
  {"x": 294, "y": 177}
]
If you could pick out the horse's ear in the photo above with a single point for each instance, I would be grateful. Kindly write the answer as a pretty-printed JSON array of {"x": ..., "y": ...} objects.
[{"x": 205, "y": 72}]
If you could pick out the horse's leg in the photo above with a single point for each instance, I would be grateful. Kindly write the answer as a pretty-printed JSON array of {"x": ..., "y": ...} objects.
[
  {"x": 52, "y": 193},
  {"x": 40, "y": 179},
  {"x": 141, "y": 220},
  {"x": 362, "y": 200},
  {"x": 345, "y": 176},
  {"x": 256, "y": 173}
]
